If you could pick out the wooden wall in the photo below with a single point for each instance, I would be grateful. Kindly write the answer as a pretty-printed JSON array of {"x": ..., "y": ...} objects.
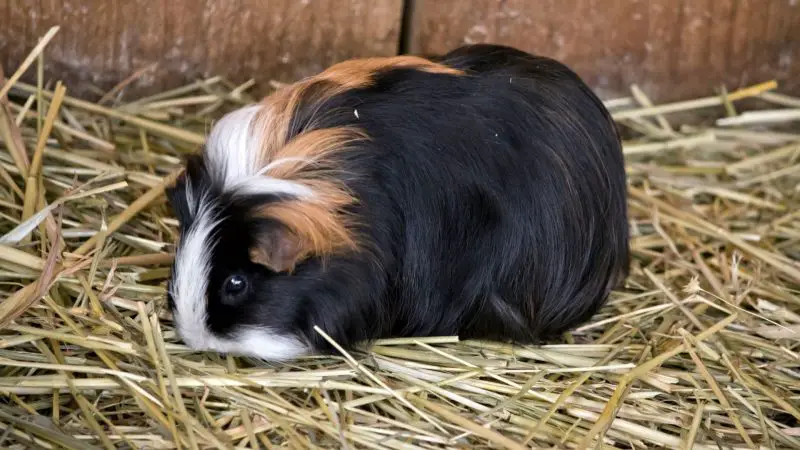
[
  {"x": 104, "y": 41},
  {"x": 672, "y": 48}
]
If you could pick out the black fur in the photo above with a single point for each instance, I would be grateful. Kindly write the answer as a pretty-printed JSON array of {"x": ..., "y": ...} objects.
[{"x": 493, "y": 203}]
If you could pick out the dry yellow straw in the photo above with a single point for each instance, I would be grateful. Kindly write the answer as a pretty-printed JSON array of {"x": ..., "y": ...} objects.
[
  {"x": 32, "y": 194},
  {"x": 135, "y": 207},
  {"x": 29, "y": 60}
]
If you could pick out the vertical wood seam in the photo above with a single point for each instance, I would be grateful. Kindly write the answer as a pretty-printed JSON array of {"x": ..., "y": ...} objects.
[
  {"x": 731, "y": 35},
  {"x": 405, "y": 39}
]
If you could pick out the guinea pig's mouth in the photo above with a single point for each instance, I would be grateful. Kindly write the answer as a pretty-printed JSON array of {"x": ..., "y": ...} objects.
[{"x": 253, "y": 342}]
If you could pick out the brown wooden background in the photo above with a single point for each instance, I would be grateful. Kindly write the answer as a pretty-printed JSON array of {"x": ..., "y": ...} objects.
[{"x": 672, "y": 48}]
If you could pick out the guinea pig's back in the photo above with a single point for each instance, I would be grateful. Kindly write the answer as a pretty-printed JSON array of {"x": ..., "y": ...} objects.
[{"x": 508, "y": 183}]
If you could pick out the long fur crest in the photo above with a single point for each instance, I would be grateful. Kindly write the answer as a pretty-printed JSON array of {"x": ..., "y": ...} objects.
[{"x": 252, "y": 151}]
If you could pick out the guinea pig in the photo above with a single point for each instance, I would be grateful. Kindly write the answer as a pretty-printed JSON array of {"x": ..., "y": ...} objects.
[{"x": 480, "y": 193}]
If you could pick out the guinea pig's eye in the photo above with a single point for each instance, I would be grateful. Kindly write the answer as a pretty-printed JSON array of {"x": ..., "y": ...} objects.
[{"x": 235, "y": 285}]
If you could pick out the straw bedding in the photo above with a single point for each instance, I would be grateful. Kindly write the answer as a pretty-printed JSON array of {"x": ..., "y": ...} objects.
[{"x": 698, "y": 350}]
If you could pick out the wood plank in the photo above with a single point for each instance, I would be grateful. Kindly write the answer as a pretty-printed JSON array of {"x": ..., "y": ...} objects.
[
  {"x": 673, "y": 49},
  {"x": 102, "y": 42}
]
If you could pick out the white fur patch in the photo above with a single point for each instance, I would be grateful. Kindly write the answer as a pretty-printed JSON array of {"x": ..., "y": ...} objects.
[
  {"x": 280, "y": 161},
  {"x": 231, "y": 150},
  {"x": 189, "y": 292},
  {"x": 192, "y": 270},
  {"x": 233, "y": 144},
  {"x": 255, "y": 343},
  {"x": 262, "y": 184},
  {"x": 190, "y": 201}
]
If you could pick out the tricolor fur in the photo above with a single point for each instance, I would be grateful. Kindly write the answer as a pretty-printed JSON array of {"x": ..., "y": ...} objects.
[{"x": 481, "y": 193}]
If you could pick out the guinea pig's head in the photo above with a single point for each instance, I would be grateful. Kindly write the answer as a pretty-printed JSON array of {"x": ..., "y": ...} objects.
[
  {"x": 245, "y": 236},
  {"x": 222, "y": 296}
]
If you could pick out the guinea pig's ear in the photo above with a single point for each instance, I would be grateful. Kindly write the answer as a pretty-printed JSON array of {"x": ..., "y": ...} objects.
[
  {"x": 278, "y": 249},
  {"x": 290, "y": 231},
  {"x": 172, "y": 191},
  {"x": 183, "y": 194},
  {"x": 176, "y": 198}
]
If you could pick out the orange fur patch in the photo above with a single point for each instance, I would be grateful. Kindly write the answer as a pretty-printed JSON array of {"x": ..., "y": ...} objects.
[
  {"x": 276, "y": 116},
  {"x": 357, "y": 73},
  {"x": 302, "y": 155},
  {"x": 318, "y": 225},
  {"x": 311, "y": 230}
]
